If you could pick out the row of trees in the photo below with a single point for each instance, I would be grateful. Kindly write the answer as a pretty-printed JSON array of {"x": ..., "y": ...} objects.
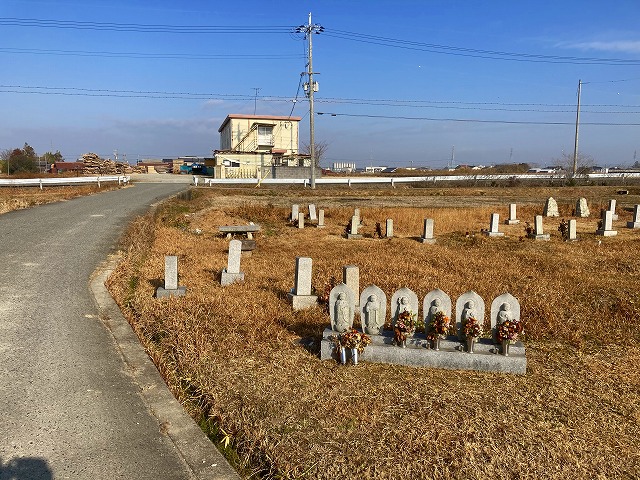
[{"x": 25, "y": 160}]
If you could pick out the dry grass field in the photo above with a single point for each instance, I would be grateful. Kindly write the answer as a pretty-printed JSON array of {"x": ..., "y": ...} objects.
[
  {"x": 16, "y": 198},
  {"x": 247, "y": 367}
]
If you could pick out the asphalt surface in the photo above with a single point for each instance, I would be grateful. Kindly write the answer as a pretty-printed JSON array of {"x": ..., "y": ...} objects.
[{"x": 78, "y": 397}]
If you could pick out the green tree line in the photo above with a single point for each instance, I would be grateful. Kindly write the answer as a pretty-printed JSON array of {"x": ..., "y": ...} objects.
[{"x": 25, "y": 159}]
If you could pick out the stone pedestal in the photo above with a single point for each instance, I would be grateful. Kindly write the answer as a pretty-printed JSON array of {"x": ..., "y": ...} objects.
[
  {"x": 173, "y": 292},
  {"x": 227, "y": 278}
]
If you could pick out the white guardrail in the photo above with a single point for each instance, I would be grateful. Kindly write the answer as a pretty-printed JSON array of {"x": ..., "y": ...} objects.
[
  {"x": 40, "y": 182},
  {"x": 393, "y": 180}
]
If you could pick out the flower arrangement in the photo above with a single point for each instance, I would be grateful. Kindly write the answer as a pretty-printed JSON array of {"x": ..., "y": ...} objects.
[
  {"x": 472, "y": 328},
  {"x": 352, "y": 339},
  {"x": 509, "y": 330},
  {"x": 439, "y": 326},
  {"x": 403, "y": 327}
]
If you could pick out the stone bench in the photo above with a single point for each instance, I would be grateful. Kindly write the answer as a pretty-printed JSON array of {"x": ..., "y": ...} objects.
[{"x": 247, "y": 230}]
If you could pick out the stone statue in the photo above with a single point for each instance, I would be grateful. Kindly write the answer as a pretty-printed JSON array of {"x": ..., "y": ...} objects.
[
  {"x": 504, "y": 314},
  {"x": 436, "y": 306},
  {"x": 372, "y": 314},
  {"x": 343, "y": 313},
  {"x": 469, "y": 312}
]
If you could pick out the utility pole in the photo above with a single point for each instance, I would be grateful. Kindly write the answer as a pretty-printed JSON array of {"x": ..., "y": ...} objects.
[
  {"x": 255, "y": 99},
  {"x": 311, "y": 87},
  {"x": 575, "y": 145}
]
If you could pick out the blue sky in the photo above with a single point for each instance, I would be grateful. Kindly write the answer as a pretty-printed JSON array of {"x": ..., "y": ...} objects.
[{"x": 406, "y": 80}]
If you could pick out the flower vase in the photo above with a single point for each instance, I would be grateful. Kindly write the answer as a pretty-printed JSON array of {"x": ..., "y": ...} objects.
[
  {"x": 403, "y": 344},
  {"x": 343, "y": 356},
  {"x": 354, "y": 356},
  {"x": 505, "y": 347},
  {"x": 471, "y": 341},
  {"x": 436, "y": 344}
]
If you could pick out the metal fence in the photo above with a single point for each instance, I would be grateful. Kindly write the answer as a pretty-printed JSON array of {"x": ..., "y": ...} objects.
[{"x": 41, "y": 182}]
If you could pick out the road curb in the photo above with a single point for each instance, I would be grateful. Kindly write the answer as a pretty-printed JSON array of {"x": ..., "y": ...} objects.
[{"x": 199, "y": 454}]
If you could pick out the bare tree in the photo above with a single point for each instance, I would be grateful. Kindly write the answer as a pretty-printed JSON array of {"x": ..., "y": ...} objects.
[
  {"x": 320, "y": 150},
  {"x": 585, "y": 162}
]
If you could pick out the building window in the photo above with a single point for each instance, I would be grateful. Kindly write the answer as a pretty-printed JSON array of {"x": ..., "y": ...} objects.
[{"x": 265, "y": 134}]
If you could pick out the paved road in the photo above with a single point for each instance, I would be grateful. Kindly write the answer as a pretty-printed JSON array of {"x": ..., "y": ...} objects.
[{"x": 70, "y": 406}]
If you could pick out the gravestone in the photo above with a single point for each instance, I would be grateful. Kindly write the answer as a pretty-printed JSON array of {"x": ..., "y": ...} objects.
[
  {"x": 505, "y": 307},
  {"x": 635, "y": 223},
  {"x": 582, "y": 208},
  {"x": 512, "y": 220},
  {"x": 171, "y": 288},
  {"x": 427, "y": 231},
  {"x": 538, "y": 233},
  {"x": 612, "y": 209},
  {"x": 493, "y": 226},
  {"x": 404, "y": 299},
  {"x": 551, "y": 208},
  {"x": 468, "y": 305},
  {"x": 300, "y": 296},
  {"x": 606, "y": 230},
  {"x": 353, "y": 230},
  {"x": 320, "y": 218},
  {"x": 389, "y": 228},
  {"x": 351, "y": 278},
  {"x": 300, "y": 220},
  {"x": 312, "y": 213},
  {"x": 373, "y": 310},
  {"x": 295, "y": 209},
  {"x": 232, "y": 273},
  {"x": 356, "y": 213},
  {"x": 572, "y": 230},
  {"x": 341, "y": 308},
  {"x": 435, "y": 301}
]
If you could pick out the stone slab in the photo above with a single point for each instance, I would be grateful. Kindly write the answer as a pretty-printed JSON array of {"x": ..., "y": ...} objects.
[
  {"x": 239, "y": 228},
  {"x": 229, "y": 278},
  {"x": 300, "y": 302},
  {"x": 428, "y": 240},
  {"x": 451, "y": 356},
  {"x": 494, "y": 234},
  {"x": 607, "y": 233},
  {"x": 174, "y": 292},
  {"x": 542, "y": 236},
  {"x": 355, "y": 236},
  {"x": 510, "y": 221}
]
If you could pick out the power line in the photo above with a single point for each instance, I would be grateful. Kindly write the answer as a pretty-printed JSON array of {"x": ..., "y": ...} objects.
[{"x": 474, "y": 120}]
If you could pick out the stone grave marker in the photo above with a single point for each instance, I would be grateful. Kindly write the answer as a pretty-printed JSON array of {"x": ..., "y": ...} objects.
[
  {"x": 353, "y": 230},
  {"x": 312, "y": 213},
  {"x": 300, "y": 220},
  {"x": 341, "y": 308},
  {"x": 320, "y": 218},
  {"x": 403, "y": 299},
  {"x": 295, "y": 209},
  {"x": 582, "y": 208},
  {"x": 503, "y": 308},
  {"x": 300, "y": 296},
  {"x": 512, "y": 220},
  {"x": 607, "y": 224},
  {"x": 468, "y": 305},
  {"x": 435, "y": 301},
  {"x": 351, "y": 278},
  {"x": 612, "y": 209},
  {"x": 551, "y": 208},
  {"x": 389, "y": 228},
  {"x": 538, "y": 233},
  {"x": 232, "y": 273},
  {"x": 427, "y": 231},
  {"x": 635, "y": 223},
  {"x": 171, "y": 288},
  {"x": 493, "y": 226},
  {"x": 572, "y": 230},
  {"x": 373, "y": 310}
]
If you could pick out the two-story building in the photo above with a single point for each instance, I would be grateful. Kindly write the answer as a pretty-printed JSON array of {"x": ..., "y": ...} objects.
[{"x": 260, "y": 146}]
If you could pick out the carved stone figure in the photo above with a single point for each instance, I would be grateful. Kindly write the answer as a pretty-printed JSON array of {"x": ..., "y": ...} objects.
[
  {"x": 343, "y": 313},
  {"x": 469, "y": 312},
  {"x": 372, "y": 314},
  {"x": 436, "y": 306},
  {"x": 504, "y": 314}
]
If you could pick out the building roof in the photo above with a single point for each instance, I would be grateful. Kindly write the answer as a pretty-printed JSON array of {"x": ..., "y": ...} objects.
[{"x": 257, "y": 117}]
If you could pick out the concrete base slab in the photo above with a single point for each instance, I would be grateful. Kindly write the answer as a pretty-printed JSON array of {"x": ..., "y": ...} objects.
[
  {"x": 300, "y": 302},
  {"x": 633, "y": 224},
  {"x": 452, "y": 354},
  {"x": 607, "y": 233},
  {"x": 494, "y": 234},
  {"x": 177, "y": 292},
  {"x": 355, "y": 236},
  {"x": 512, "y": 221},
  {"x": 229, "y": 278},
  {"x": 543, "y": 236},
  {"x": 430, "y": 241}
]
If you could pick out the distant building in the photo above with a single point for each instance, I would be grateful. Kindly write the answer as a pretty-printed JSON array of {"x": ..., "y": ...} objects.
[
  {"x": 343, "y": 167},
  {"x": 259, "y": 146},
  {"x": 372, "y": 169}
]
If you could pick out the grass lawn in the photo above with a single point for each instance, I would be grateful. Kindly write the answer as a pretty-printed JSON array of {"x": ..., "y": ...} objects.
[{"x": 247, "y": 367}]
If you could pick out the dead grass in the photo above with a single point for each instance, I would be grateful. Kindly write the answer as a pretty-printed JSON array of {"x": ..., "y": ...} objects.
[
  {"x": 17, "y": 198},
  {"x": 238, "y": 355}
]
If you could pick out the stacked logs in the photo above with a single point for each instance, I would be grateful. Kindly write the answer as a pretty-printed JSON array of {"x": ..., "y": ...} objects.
[{"x": 94, "y": 165}]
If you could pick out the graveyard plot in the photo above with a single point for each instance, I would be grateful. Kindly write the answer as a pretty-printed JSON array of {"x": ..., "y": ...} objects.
[{"x": 247, "y": 365}]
